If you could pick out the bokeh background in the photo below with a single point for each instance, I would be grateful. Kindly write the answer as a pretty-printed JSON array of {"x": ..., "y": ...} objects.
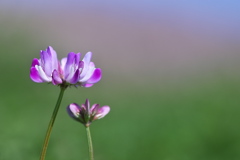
[{"x": 170, "y": 74}]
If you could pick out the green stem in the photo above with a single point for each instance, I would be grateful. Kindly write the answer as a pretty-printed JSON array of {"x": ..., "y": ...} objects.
[
  {"x": 90, "y": 146},
  {"x": 50, "y": 125}
]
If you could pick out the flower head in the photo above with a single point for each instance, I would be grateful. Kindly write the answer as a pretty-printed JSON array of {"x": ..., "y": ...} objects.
[
  {"x": 42, "y": 69},
  {"x": 85, "y": 114},
  {"x": 82, "y": 73},
  {"x": 71, "y": 70}
]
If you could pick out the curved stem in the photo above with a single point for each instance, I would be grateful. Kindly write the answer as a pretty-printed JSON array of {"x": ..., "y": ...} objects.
[
  {"x": 50, "y": 125},
  {"x": 90, "y": 146}
]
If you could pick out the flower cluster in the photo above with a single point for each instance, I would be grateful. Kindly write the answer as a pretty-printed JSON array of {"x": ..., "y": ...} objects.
[
  {"x": 85, "y": 114},
  {"x": 70, "y": 70}
]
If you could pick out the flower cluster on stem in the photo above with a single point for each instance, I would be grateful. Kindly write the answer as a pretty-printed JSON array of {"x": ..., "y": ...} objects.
[{"x": 70, "y": 71}]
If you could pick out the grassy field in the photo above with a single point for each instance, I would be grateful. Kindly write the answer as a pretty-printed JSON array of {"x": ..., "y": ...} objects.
[{"x": 193, "y": 118}]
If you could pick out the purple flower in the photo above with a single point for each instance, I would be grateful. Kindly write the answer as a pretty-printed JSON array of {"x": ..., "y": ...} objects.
[
  {"x": 71, "y": 71},
  {"x": 42, "y": 69},
  {"x": 85, "y": 114},
  {"x": 82, "y": 73}
]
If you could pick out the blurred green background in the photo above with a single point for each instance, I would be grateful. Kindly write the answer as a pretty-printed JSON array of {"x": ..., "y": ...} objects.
[{"x": 170, "y": 75}]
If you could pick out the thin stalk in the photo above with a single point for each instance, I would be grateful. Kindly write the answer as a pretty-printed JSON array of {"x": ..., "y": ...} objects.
[
  {"x": 90, "y": 146},
  {"x": 50, "y": 125}
]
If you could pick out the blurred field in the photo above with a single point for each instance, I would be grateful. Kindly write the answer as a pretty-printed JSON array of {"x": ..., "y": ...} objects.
[{"x": 174, "y": 95}]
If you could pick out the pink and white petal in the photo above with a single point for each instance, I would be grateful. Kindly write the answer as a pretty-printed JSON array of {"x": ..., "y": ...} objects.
[
  {"x": 56, "y": 78},
  {"x": 41, "y": 55},
  {"x": 69, "y": 64},
  {"x": 87, "y": 59},
  {"x": 91, "y": 64},
  {"x": 35, "y": 76},
  {"x": 60, "y": 71},
  {"x": 69, "y": 76},
  {"x": 63, "y": 62},
  {"x": 47, "y": 63},
  {"x": 87, "y": 75},
  {"x": 96, "y": 76},
  {"x": 53, "y": 57},
  {"x": 74, "y": 110},
  {"x": 103, "y": 111},
  {"x": 80, "y": 67},
  {"x": 35, "y": 62},
  {"x": 42, "y": 74}
]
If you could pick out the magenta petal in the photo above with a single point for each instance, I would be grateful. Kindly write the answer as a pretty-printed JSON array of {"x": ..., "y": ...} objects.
[
  {"x": 35, "y": 62},
  {"x": 102, "y": 112},
  {"x": 56, "y": 78},
  {"x": 75, "y": 77},
  {"x": 43, "y": 75},
  {"x": 96, "y": 76},
  {"x": 34, "y": 75}
]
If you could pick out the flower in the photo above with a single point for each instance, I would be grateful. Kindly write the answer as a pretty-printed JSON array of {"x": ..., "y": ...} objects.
[
  {"x": 71, "y": 71},
  {"x": 85, "y": 114},
  {"x": 42, "y": 69},
  {"x": 82, "y": 73}
]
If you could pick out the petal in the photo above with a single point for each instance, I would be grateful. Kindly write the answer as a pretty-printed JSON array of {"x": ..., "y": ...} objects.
[
  {"x": 94, "y": 108},
  {"x": 91, "y": 64},
  {"x": 83, "y": 107},
  {"x": 86, "y": 60},
  {"x": 60, "y": 71},
  {"x": 46, "y": 62},
  {"x": 35, "y": 76},
  {"x": 70, "y": 62},
  {"x": 74, "y": 110},
  {"x": 77, "y": 58},
  {"x": 103, "y": 111},
  {"x": 54, "y": 59},
  {"x": 87, "y": 85},
  {"x": 96, "y": 76},
  {"x": 87, "y": 75},
  {"x": 81, "y": 64},
  {"x": 56, "y": 78},
  {"x": 63, "y": 63},
  {"x": 42, "y": 74},
  {"x": 74, "y": 79},
  {"x": 87, "y": 104},
  {"x": 35, "y": 62},
  {"x": 70, "y": 74}
]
